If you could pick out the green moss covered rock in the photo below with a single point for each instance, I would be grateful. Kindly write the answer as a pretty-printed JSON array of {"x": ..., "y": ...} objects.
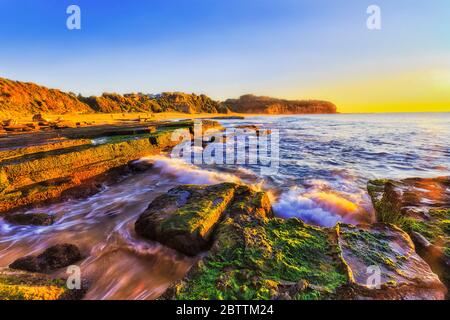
[
  {"x": 421, "y": 207},
  {"x": 185, "y": 217},
  {"x": 383, "y": 264},
  {"x": 257, "y": 256}
]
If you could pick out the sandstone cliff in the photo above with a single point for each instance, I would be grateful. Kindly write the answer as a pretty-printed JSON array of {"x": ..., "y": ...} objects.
[
  {"x": 24, "y": 99},
  {"x": 266, "y": 105},
  {"x": 21, "y": 98}
]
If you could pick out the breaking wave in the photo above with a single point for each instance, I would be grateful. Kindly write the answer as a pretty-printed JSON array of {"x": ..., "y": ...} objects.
[
  {"x": 321, "y": 206},
  {"x": 186, "y": 173}
]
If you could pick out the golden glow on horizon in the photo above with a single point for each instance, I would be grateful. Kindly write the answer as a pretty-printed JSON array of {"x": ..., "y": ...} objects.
[{"x": 420, "y": 91}]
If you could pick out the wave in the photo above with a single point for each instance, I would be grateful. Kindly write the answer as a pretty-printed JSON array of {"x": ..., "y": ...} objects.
[
  {"x": 186, "y": 173},
  {"x": 320, "y": 205}
]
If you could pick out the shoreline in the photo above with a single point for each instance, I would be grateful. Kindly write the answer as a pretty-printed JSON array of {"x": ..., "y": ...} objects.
[{"x": 75, "y": 171}]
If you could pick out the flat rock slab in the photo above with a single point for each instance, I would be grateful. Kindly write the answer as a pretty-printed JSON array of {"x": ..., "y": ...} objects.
[
  {"x": 382, "y": 263},
  {"x": 53, "y": 258},
  {"x": 257, "y": 256},
  {"x": 421, "y": 207},
  {"x": 184, "y": 218}
]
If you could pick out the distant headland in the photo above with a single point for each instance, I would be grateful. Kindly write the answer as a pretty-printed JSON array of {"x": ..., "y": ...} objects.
[{"x": 22, "y": 98}]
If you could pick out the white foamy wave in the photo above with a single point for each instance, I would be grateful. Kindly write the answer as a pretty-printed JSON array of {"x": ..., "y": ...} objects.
[
  {"x": 319, "y": 207},
  {"x": 186, "y": 173}
]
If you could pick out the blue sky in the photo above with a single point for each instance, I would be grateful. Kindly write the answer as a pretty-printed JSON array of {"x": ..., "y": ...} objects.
[{"x": 284, "y": 48}]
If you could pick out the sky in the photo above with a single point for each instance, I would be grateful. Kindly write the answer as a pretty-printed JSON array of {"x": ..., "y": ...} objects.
[{"x": 294, "y": 49}]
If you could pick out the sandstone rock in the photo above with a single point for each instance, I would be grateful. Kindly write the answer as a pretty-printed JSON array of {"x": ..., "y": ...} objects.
[
  {"x": 256, "y": 256},
  {"x": 19, "y": 285},
  {"x": 266, "y": 105},
  {"x": 41, "y": 174},
  {"x": 53, "y": 258},
  {"x": 382, "y": 264},
  {"x": 140, "y": 166},
  {"x": 421, "y": 207},
  {"x": 185, "y": 217},
  {"x": 10, "y": 122},
  {"x": 63, "y": 124},
  {"x": 15, "y": 128},
  {"x": 35, "y": 219}
]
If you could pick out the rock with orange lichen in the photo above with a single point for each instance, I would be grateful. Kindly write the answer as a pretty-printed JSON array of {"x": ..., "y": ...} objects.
[{"x": 20, "y": 285}]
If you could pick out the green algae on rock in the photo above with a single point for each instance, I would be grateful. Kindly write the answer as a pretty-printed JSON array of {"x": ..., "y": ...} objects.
[
  {"x": 264, "y": 259},
  {"x": 34, "y": 178},
  {"x": 382, "y": 264},
  {"x": 421, "y": 207},
  {"x": 257, "y": 256},
  {"x": 184, "y": 218}
]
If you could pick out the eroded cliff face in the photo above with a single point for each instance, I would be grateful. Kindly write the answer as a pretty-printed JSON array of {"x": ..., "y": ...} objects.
[
  {"x": 21, "y": 98},
  {"x": 24, "y": 99},
  {"x": 266, "y": 105}
]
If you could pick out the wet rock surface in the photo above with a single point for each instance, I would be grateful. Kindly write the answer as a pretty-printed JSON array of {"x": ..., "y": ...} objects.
[
  {"x": 257, "y": 256},
  {"x": 184, "y": 218},
  {"x": 53, "y": 258},
  {"x": 382, "y": 264},
  {"x": 39, "y": 173},
  {"x": 421, "y": 207},
  {"x": 34, "y": 219}
]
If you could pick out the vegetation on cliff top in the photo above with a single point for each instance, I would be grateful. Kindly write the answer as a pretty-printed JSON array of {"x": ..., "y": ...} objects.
[
  {"x": 267, "y": 105},
  {"x": 20, "y": 98}
]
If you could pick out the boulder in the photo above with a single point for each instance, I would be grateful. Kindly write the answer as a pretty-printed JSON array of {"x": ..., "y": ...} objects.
[
  {"x": 257, "y": 256},
  {"x": 35, "y": 219},
  {"x": 140, "y": 165},
  {"x": 39, "y": 118},
  {"x": 19, "y": 285},
  {"x": 421, "y": 207},
  {"x": 63, "y": 124},
  {"x": 53, "y": 258},
  {"x": 383, "y": 264},
  {"x": 185, "y": 217}
]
